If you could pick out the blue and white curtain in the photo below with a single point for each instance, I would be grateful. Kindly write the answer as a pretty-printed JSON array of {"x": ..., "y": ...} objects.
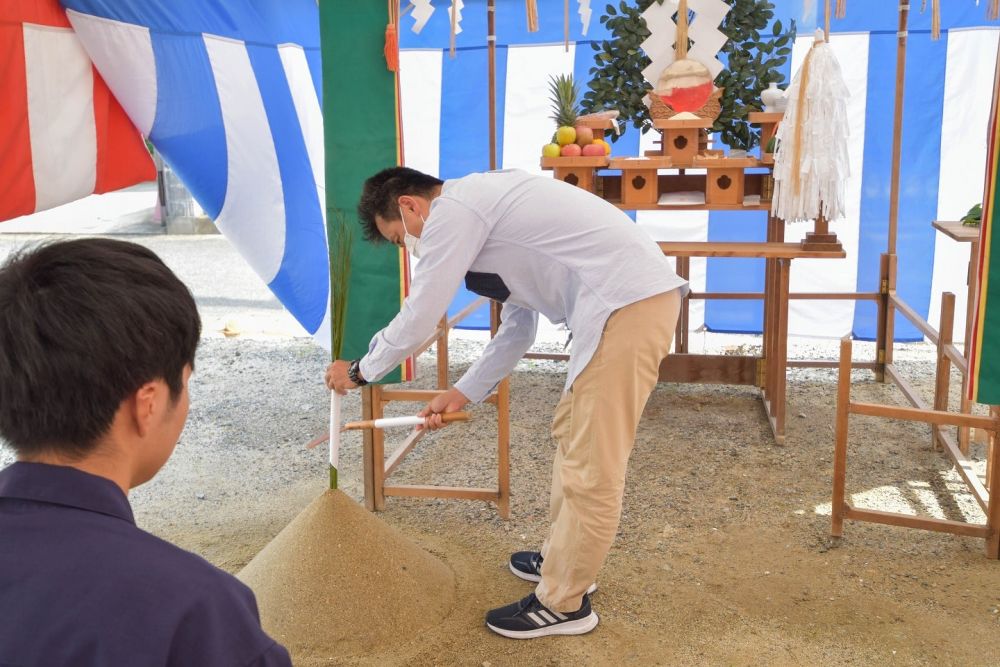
[{"x": 948, "y": 89}]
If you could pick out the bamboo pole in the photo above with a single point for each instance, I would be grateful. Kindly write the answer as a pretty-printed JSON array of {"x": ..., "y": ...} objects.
[
  {"x": 491, "y": 57},
  {"x": 566, "y": 24},
  {"x": 897, "y": 124},
  {"x": 993, "y": 480},
  {"x": 826, "y": 21}
]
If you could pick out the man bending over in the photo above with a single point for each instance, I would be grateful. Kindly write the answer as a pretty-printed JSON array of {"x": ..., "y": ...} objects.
[{"x": 539, "y": 246}]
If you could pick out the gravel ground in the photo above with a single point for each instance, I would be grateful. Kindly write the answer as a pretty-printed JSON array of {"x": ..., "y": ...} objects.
[{"x": 723, "y": 554}]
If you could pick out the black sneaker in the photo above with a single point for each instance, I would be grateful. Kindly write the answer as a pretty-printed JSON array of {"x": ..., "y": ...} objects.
[
  {"x": 529, "y": 619},
  {"x": 528, "y": 566}
]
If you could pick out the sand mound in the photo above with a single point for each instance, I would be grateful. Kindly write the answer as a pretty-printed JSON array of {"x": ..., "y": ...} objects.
[{"x": 338, "y": 581}]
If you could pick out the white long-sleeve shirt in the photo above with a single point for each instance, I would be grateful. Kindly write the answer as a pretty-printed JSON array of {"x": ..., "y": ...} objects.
[{"x": 538, "y": 245}]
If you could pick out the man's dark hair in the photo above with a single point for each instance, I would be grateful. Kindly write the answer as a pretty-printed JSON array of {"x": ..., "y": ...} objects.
[
  {"x": 84, "y": 324},
  {"x": 382, "y": 192}
]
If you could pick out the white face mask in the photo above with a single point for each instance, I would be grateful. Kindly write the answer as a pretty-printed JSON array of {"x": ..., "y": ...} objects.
[{"x": 411, "y": 242}]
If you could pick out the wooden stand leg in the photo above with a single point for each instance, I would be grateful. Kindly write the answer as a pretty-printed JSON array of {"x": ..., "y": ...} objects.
[
  {"x": 368, "y": 444},
  {"x": 970, "y": 313},
  {"x": 781, "y": 345},
  {"x": 683, "y": 322},
  {"x": 442, "y": 354},
  {"x": 840, "y": 442},
  {"x": 770, "y": 325},
  {"x": 503, "y": 428},
  {"x": 503, "y": 449},
  {"x": 378, "y": 449},
  {"x": 885, "y": 321},
  {"x": 943, "y": 375},
  {"x": 993, "y": 507}
]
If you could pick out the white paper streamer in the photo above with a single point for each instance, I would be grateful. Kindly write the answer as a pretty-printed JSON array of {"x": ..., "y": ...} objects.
[
  {"x": 585, "y": 13},
  {"x": 393, "y": 422},
  {"x": 458, "y": 18},
  {"x": 422, "y": 10},
  {"x": 824, "y": 165}
]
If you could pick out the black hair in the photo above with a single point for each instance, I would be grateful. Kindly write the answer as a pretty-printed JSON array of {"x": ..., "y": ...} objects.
[
  {"x": 382, "y": 191},
  {"x": 83, "y": 325}
]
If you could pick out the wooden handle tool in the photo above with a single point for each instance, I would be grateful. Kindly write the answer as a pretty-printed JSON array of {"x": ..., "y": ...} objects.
[{"x": 390, "y": 422}]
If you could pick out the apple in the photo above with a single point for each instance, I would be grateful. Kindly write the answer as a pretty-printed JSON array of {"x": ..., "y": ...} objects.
[
  {"x": 593, "y": 150},
  {"x": 551, "y": 150},
  {"x": 584, "y": 136},
  {"x": 571, "y": 150},
  {"x": 605, "y": 145},
  {"x": 565, "y": 135}
]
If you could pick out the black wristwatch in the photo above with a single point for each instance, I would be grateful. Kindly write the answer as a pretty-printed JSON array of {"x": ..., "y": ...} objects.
[{"x": 354, "y": 373}]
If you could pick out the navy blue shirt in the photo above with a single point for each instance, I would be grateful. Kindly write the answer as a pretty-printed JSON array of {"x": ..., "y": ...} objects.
[{"x": 80, "y": 584}]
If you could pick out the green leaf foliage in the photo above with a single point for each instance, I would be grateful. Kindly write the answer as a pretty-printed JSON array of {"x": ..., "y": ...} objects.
[{"x": 753, "y": 62}]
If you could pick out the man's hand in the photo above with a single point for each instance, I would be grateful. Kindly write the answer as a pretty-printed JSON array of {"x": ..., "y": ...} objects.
[
  {"x": 337, "y": 379},
  {"x": 450, "y": 401}
]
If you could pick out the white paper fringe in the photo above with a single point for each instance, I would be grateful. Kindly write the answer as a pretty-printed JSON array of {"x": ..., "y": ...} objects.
[{"x": 824, "y": 166}]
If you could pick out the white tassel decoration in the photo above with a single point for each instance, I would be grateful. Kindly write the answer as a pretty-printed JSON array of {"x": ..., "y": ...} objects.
[{"x": 811, "y": 162}]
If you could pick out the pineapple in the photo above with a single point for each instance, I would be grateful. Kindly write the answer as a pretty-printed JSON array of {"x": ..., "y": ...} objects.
[{"x": 564, "y": 93}]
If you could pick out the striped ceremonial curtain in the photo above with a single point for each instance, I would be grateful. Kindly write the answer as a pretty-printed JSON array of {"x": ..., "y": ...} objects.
[
  {"x": 948, "y": 88},
  {"x": 363, "y": 136},
  {"x": 985, "y": 367},
  {"x": 62, "y": 134},
  {"x": 229, "y": 94}
]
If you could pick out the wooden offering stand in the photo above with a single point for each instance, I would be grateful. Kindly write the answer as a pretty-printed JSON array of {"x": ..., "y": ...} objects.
[{"x": 724, "y": 185}]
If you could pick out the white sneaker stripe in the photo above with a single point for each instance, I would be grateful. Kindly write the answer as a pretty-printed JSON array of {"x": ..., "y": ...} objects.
[
  {"x": 547, "y": 616},
  {"x": 561, "y": 617},
  {"x": 534, "y": 617}
]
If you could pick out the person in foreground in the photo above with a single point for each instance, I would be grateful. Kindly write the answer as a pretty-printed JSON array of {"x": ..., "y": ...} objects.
[
  {"x": 97, "y": 343},
  {"x": 539, "y": 246}
]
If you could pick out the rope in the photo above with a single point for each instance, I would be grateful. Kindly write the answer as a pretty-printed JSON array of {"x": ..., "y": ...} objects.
[
  {"x": 454, "y": 27},
  {"x": 799, "y": 118}
]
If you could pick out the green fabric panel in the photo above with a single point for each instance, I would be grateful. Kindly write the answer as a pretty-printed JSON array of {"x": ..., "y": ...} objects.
[
  {"x": 359, "y": 118},
  {"x": 989, "y": 361}
]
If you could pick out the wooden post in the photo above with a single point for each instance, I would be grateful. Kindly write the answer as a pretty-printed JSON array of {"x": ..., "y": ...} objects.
[
  {"x": 840, "y": 435},
  {"x": 943, "y": 377},
  {"x": 367, "y": 457},
  {"x": 993, "y": 508},
  {"x": 503, "y": 428},
  {"x": 503, "y": 449},
  {"x": 780, "y": 399},
  {"x": 378, "y": 448},
  {"x": 442, "y": 354}
]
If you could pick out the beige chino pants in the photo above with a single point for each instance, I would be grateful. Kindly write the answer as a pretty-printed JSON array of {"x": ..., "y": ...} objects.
[{"x": 594, "y": 427}]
